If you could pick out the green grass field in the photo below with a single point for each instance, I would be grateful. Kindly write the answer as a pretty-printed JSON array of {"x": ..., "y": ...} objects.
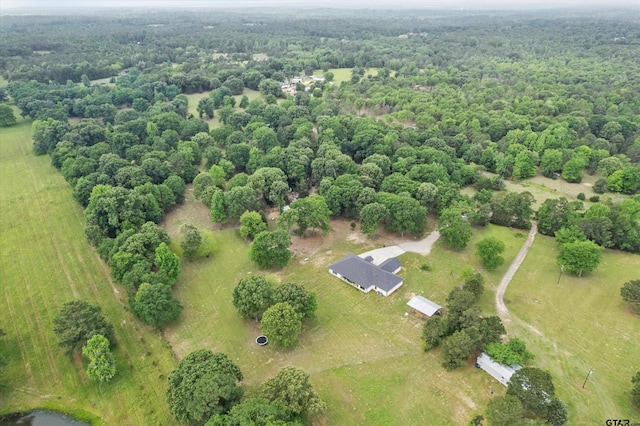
[
  {"x": 46, "y": 261},
  {"x": 215, "y": 121},
  {"x": 362, "y": 351},
  {"x": 584, "y": 324},
  {"x": 344, "y": 74}
]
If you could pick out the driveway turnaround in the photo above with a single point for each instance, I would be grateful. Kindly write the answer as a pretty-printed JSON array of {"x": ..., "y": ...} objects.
[{"x": 422, "y": 247}]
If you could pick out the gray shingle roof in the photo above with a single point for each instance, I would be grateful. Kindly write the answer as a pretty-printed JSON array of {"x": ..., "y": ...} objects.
[
  {"x": 361, "y": 272},
  {"x": 391, "y": 265}
]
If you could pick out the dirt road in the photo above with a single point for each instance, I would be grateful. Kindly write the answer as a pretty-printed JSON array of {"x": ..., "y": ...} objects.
[{"x": 503, "y": 312}]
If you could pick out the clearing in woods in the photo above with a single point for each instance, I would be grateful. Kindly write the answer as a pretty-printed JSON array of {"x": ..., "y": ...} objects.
[
  {"x": 45, "y": 262},
  {"x": 362, "y": 351}
]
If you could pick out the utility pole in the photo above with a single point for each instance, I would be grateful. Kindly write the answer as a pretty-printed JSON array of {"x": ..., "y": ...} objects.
[
  {"x": 561, "y": 271},
  {"x": 587, "y": 378}
]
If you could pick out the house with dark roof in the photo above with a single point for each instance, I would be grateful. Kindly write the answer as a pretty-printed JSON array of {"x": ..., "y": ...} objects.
[
  {"x": 365, "y": 276},
  {"x": 392, "y": 265}
]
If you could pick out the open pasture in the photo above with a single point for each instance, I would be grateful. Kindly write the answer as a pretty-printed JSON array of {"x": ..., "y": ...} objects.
[
  {"x": 362, "y": 350},
  {"x": 44, "y": 262},
  {"x": 583, "y": 323}
]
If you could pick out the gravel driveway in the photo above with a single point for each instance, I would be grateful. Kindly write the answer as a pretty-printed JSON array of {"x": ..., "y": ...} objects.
[{"x": 422, "y": 247}]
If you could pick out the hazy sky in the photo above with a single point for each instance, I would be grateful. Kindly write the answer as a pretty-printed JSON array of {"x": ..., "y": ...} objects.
[{"x": 378, "y": 4}]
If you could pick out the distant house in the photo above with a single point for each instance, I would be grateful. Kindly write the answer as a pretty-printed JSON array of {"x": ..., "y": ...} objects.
[
  {"x": 424, "y": 306},
  {"x": 500, "y": 372},
  {"x": 365, "y": 276}
]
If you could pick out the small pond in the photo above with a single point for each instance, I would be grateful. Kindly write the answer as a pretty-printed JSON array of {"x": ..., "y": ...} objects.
[{"x": 40, "y": 418}]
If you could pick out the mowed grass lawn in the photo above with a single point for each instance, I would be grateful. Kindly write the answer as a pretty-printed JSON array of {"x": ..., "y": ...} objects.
[
  {"x": 362, "y": 350},
  {"x": 584, "y": 324},
  {"x": 44, "y": 262}
]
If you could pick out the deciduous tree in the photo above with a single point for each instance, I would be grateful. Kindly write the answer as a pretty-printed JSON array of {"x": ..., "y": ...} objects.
[
  {"x": 580, "y": 256},
  {"x": 293, "y": 389},
  {"x": 489, "y": 250},
  {"x": 370, "y": 216},
  {"x": 309, "y": 212},
  {"x": 218, "y": 210},
  {"x": 456, "y": 349},
  {"x": 77, "y": 322},
  {"x": 255, "y": 412},
  {"x": 102, "y": 366},
  {"x": 241, "y": 199},
  {"x": 557, "y": 413},
  {"x": 251, "y": 224},
  {"x": 514, "y": 352},
  {"x": 6, "y": 116},
  {"x": 474, "y": 283},
  {"x": 534, "y": 388},
  {"x": 553, "y": 214},
  {"x": 270, "y": 249},
  {"x": 168, "y": 262},
  {"x": 434, "y": 329},
  {"x": 155, "y": 305},
  {"x": 455, "y": 231},
  {"x": 252, "y": 296},
  {"x": 204, "y": 384},
  {"x": 191, "y": 240},
  {"x": 630, "y": 292},
  {"x": 282, "y": 324},
  {"x": 301, "y": 299},
  {"x": 504, "y": 411}
]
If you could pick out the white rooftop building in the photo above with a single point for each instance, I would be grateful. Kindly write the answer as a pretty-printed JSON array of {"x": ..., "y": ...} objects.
[{"x": 500, "y": 372}]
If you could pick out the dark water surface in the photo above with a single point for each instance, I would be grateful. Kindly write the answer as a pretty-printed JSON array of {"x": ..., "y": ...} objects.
[{"x": 41, "y": 418}]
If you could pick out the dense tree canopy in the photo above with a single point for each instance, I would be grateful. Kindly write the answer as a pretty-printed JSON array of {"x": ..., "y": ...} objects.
[
  {"x": 251, "y": 224},
  {"x": 271, "y": 249},
  {"x": 630, "y": 292},
  {"x": 77, "y": 322},
  {"x": 282, "y": 324},
  {"x": 435, "y": 113},
  {"x": 301, "y": 299},
  {"x": 255, "y": 412},
  {"x": 6, "y": 116},
  {"x": 102, "y": 366},
  {"x": 203, "y": 384},
  {"x": 292, "y": 388},
  {"x": 504, "y": 411},
  {"x": 489, "y": 250},
  {"x": 252, "y": 296},
  {"x": 579, "y": 256},
  {"x": 534, "y": 388}
]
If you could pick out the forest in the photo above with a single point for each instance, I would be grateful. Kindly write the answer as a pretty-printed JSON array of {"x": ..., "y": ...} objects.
[{"x": 397, "y": 122}]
